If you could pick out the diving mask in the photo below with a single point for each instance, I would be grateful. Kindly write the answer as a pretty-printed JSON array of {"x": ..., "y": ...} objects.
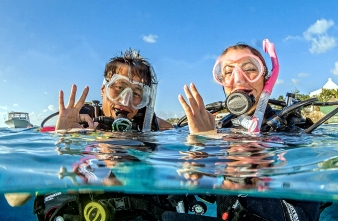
[
  {"x": 122, "y": 90},
  {"x": 243, "y": 67}
]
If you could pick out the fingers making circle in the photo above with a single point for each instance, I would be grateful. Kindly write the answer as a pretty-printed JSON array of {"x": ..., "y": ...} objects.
[{"x": 88, "y": 119}]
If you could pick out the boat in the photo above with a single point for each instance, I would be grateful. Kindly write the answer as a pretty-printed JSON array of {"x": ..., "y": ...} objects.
[{"x": 18, "y": 120}]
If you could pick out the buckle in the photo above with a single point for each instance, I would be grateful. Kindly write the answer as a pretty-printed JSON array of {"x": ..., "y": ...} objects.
[{"x": 122, "y": 203}]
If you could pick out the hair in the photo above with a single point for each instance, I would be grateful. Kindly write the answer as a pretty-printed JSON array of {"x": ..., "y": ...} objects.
[
  {"x": 253, "y": 50},
  {"x": 139, "y": 67}
]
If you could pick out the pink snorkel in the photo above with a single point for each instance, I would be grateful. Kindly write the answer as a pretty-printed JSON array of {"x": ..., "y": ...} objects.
[{"x": 254, "y": 124}]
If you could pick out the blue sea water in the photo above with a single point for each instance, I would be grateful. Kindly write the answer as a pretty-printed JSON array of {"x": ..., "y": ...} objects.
[{"x": 296, "y": 166}]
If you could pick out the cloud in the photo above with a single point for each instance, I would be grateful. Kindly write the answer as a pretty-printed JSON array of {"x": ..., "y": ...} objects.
[
  {"x": 45, "y": 92},
  {"x": 317, "y": 35},
  {"x": 292, "y": 38},
  {"x": 4, "y": 107},
  {"x": 295, "y": 81},
  {"x": 280, "y": 81},
  {"x": 4, "y": 80},
  {"x": 335, "y": 69},
  {"x": 169, "y": 114},
  {"x": 149, "y": 38},
  {"x": 51, "y": 108},
  {"x": 303, "y": 75},
  {"x": 15, "y": 105}
]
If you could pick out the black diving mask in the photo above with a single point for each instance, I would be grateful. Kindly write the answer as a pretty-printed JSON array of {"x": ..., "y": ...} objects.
[{"x": 239, "y": 102}]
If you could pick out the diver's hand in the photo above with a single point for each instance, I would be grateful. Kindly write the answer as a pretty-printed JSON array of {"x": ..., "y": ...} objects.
[
  {"x": 17, "y": 199},
  {"x": 69, "y": 116},
  {"x": 199, "y": 119}
]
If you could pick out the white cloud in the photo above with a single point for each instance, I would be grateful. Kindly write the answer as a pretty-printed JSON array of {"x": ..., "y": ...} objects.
[
  {"x": 280, "y": 81},
  {"x": 317, "y": 35},
  {"x": 149, "y": 38},
  {"x": 335, "y": 69},
  {"x": 295, "y": 81},
  {"x": 292, "y": 38},
  {"x": 4, "y": 107},
  {"x": 169, "y": 114},
  {"x": 52, "y": 108},
  {"x": 303, "y": 75},
  {"x": 45, "y": 110},
  {"x": 318, "y": 28},
  {"x": 15, "y": 105}
]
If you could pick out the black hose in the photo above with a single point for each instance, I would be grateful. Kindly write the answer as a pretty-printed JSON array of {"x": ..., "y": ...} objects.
[
  {"x": 180, "y": 122},
  {"x": 47, "y": 118},
  {"x": 321, "y": 121},
  {"x": 325, "y": 103},
  {"x": 295, "y": 106}
]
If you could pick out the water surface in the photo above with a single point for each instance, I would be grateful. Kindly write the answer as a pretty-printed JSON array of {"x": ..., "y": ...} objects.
[{"x": 296, "y": 166}]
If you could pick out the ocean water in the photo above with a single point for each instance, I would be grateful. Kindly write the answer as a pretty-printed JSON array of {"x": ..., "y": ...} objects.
[{"x": 292, "y": 166}]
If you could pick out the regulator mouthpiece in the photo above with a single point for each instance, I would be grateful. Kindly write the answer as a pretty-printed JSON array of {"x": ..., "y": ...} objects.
[
  {"x": 121, "y": 122},
  {"x": 239, "y": 103}
]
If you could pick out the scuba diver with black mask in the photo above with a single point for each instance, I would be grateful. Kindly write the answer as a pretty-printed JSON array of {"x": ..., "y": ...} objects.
[{"x": 243, "y": 74}]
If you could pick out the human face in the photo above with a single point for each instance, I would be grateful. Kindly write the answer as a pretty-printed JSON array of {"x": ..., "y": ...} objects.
[
  {"x": 128, "y": 93},
  {"x": 109, "y": 106},
  {"x": 252, "y": 84}
]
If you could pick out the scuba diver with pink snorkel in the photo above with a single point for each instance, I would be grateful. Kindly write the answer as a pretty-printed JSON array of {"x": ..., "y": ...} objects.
[{"x": 247, "y": 84}]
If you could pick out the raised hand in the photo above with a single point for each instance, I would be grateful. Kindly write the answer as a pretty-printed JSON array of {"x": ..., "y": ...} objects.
[
  {"x": 69, "y": 116},
  {"x": 199, "y": 119}
]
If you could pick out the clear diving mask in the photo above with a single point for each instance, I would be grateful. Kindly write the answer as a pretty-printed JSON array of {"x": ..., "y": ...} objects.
[
  {"x": 239, "y": 70},
  {"x": 122, "y": 90},
  {"x": 242, "y": 68}
]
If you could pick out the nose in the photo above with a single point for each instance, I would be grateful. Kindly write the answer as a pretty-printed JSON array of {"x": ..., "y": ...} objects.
[
  {"x": 238, "y": 76},
  {"x": 126, "y": 97}
]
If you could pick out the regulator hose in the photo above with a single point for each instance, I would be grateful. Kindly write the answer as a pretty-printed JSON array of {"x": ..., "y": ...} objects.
[{"x": 321, "y": 121}]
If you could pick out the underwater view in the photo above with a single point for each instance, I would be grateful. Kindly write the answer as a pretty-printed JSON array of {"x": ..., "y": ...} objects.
[{"x": 292, "y": 166}]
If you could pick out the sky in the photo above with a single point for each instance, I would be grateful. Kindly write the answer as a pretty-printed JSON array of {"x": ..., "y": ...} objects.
[{"x": 46, "y": 46}]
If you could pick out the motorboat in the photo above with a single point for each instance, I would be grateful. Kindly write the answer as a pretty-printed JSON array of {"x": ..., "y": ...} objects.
[{"x": 18, "y": 120}]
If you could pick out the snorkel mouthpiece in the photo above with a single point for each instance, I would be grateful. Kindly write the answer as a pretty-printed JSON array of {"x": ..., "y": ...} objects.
[
  {"x": 254, "y": 124},
  {"x": 121, "y": 122}
]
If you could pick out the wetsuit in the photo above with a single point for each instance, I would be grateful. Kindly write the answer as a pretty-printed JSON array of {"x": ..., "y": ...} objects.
[
  {"x": 275, "y": 209},
  {"x": 108, "y": 205}
]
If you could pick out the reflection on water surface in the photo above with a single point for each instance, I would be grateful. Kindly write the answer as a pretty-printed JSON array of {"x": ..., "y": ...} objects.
[{"x": 283, "y": 165}]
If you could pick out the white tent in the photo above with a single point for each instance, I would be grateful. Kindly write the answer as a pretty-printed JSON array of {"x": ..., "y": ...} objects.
[{"x": 329, "y": 85}]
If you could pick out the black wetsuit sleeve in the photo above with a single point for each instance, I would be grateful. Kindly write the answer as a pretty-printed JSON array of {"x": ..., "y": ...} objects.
[{"x": 281, "y": 210}]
